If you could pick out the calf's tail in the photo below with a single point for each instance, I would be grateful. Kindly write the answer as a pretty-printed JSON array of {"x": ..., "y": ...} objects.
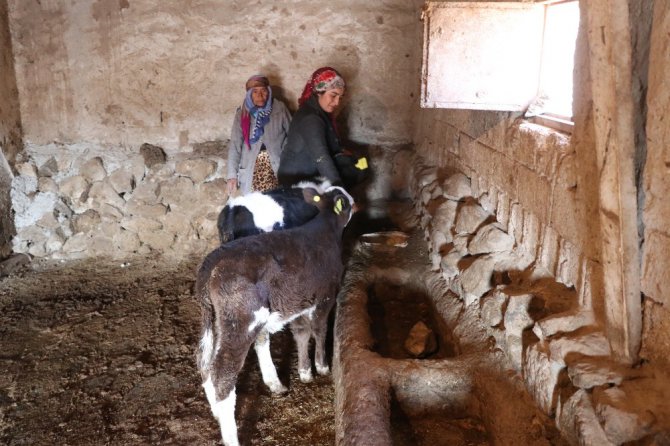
[{"x": 207, "y": 337}]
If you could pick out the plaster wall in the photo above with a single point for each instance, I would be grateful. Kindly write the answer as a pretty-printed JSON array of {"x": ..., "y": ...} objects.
[
  {"x": 121, "y": 73},
  {"x": 656, "y": 210},
  {"x": 10, "y": 118},
  {"x": 10, "y": 129}
]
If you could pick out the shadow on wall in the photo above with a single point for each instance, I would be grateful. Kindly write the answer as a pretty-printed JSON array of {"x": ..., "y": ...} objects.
[
  {"x": 279, "y": 93},
  {"x": 290, "y": 99},
  {"x": 7, "y": 230},
  {"x": 364, "y": 111}
]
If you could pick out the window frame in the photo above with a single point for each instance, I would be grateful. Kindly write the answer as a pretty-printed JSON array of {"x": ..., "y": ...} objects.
[{"x": 440, "y": 29}]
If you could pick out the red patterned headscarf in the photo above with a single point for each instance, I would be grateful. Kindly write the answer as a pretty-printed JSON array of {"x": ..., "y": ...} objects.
[{"x": 323, "y": 79}]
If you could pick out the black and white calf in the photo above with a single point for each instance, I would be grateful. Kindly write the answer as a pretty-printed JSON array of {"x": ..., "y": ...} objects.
[
  {"x": 258, "y": 212},
  {"x": 251, "y": 287}
]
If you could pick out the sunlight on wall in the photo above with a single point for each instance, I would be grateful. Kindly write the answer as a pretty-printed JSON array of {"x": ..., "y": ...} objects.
[{"x": 560, "y": 35}]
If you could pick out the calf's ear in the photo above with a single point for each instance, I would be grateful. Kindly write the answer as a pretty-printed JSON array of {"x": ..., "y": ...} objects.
[
  {"x": 312, "y": 196},
  {"x": 341, "y": 204}
]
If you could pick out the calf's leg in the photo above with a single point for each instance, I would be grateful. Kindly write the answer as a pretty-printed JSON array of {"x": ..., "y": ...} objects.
[
  {"x": 219, "y": 376},
  {"x": 319, "y": 326},
  {"x": 302, "y": 334},
  {"x": 268, "y": 370},
  {"x": 320, "y": 333},
  {"x": 224, "y": 412}
]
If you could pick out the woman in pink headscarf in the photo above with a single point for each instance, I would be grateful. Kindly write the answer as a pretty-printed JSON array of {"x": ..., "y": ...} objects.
[
  {"x": 313, "y": 146},
  {"x": 257, "y": 139}
]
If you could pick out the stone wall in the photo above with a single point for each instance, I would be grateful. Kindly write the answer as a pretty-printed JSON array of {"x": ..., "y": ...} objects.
[
  {"x": 73, "y": 203},
  {"x": 522, "y": 167},
  {"x": 494, "y": 257}
]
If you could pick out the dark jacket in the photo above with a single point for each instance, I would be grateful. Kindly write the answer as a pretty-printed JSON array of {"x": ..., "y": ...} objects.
[{"x": 311, "y": 145}]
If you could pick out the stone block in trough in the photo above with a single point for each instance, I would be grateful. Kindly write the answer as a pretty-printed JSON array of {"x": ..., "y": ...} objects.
[
  {"x": 577, "y": 421},
  {"x": 621, "y": 421},
  {"x": 542, "y": 374},
  {"x": 492, "y": 307}
]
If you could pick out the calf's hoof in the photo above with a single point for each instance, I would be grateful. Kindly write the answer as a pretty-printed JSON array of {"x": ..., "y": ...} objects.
[
  {"x": 277, "y": 388},
  {"x": 322, "y": 370},
  {"x": 305, "y": 376}
]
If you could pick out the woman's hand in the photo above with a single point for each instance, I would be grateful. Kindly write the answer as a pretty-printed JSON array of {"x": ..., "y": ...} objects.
[{"x": 232, "y": 186}]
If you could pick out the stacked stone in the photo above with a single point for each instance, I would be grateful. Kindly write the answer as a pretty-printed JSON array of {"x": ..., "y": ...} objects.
[
  {"x": 73, "y": 205},
  {"x": 533, "y": 300}
]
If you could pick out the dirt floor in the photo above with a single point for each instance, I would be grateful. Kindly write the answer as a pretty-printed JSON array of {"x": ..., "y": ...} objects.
[
  {"x": 103, "y": 352},
  {"x": 100, "y": 353}
]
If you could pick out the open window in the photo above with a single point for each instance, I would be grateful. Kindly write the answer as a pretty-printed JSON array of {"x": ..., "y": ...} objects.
[{"x": 500, "y": 56}]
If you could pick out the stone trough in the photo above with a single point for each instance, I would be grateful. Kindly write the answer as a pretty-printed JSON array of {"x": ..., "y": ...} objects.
[
  {"x": 384, "y": 394},
  {"x": 520, "y": 356}
]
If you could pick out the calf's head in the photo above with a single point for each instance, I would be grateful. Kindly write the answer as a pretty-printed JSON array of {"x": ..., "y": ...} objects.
[{"x": 335, "y": 200}]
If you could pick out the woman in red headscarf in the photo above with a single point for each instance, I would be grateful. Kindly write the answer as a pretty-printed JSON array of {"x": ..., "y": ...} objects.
[
  {"x": 257, "y": 139},
  {"x": 313, "y": 146}
]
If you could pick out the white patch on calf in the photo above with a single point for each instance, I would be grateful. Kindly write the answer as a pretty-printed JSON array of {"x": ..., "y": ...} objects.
[
  {"x": 265, "y": 210},
  {"x": 209, "y": 392},
  {"x": 321, "y": 187},
  {"x": 224, "y": 411},
  {"x": 305, "y": 375},
  {"x": 260, "y": 318},
  {"x": 268, "y": 370},
  {"x": 273, "y": 322},
  {"x": 322, "y": 369},
  {"x": 207, "y": 348}
]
